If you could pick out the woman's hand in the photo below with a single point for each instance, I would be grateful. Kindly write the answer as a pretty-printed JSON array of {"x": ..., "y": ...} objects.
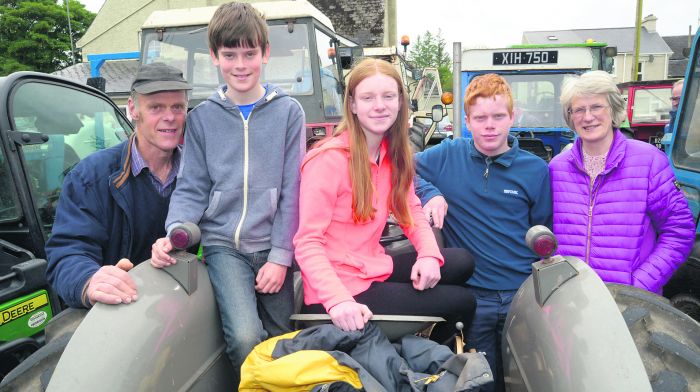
[
  {"x": 350, "y": 315},
  {"x": 425, "y": 273}
]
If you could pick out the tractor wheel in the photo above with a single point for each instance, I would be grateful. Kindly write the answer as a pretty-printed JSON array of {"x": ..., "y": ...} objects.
[
  {"x": 34, "y": 373},
  {"x": 667, "y": 339},
  {"x": 687, "y": 304},
  {"x": 628, "y": 133}
]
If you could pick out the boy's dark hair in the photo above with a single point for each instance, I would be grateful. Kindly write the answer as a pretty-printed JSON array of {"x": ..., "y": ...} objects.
[{"x": 236, "y": 25}]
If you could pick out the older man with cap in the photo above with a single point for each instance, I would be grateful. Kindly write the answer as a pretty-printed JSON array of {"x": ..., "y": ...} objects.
[{"x": 114, "y": 203}]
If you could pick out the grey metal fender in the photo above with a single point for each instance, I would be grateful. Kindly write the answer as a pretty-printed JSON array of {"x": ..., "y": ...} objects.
[
  {"x": 576, "y": 341},
  {"x": 168, "y": 340}
]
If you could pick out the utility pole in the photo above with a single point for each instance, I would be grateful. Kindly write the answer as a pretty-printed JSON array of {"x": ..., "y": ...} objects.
[
  {"x": 70, "y": 33},
  {"x": 637, "y": 33},
  {"x": 390, "y": 23},
  {"x": 457, "y": 89}
]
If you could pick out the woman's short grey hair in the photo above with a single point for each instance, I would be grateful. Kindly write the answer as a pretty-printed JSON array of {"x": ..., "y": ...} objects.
[{"x": 593, "y": 83}]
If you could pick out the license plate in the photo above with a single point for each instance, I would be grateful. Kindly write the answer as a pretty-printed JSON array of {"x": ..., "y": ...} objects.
[{"x": 526, "y": 57}]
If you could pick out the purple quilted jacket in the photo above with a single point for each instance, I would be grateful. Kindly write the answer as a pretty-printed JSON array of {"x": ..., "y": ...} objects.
[{"x": 635, "y": 226}]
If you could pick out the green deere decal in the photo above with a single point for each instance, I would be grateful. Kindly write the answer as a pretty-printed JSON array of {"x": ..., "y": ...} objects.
[{"x": 25, "y": 316}]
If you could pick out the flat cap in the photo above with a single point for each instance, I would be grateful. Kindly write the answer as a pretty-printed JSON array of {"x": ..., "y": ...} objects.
[{"x": 155, "y": 77}]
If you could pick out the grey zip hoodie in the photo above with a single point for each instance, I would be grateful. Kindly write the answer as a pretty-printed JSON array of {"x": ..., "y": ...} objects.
[{"x": 238, "y": 179}]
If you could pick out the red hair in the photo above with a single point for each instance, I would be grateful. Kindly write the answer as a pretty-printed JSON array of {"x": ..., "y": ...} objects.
[
  {"x": 399, "y": 150},
  {"x": 488, "y": 86}
]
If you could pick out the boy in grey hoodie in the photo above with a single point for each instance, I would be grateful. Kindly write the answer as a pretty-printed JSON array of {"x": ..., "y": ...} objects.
[{"x": 239, "y": 180}]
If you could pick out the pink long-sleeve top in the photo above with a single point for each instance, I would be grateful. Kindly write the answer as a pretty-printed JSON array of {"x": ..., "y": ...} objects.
[{"x": 338, "y": 257}]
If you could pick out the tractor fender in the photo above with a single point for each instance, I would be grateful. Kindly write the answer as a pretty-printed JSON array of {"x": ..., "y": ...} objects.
[
  {"x": 169, "y": 339},
  {"x": 577, "y": 340}
]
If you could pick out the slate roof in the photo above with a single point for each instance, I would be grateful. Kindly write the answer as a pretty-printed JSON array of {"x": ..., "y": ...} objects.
[
  {"x": 678, "y": 63},
  {"x": 119, "y": 74},
  {"x": 622, "y": 37}
]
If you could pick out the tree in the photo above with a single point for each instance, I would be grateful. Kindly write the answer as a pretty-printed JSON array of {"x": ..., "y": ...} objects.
[
  {"x": 429, "y": 51},
  {"x": 34, "y": 34}
]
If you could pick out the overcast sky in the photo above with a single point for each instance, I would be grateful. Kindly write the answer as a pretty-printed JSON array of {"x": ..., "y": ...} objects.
[
  {"x": 498, "y": 23},
  {"x": 494, "y": 23}
]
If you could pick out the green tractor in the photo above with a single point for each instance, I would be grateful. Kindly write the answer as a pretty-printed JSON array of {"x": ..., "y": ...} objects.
[{"x": 47, "y": 125}]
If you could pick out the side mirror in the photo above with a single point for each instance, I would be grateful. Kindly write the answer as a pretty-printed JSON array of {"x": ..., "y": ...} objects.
[
  {"x": 348, "y": 55},
  {"x": 416, "y": 74},
  {"x": 685, "y": 52},
  {"x": 437, "y": 113},
  {"x": 610, "y": 51}
]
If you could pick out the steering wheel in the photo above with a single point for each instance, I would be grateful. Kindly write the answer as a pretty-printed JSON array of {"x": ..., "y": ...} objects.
[{"x": 542, "y": 96}]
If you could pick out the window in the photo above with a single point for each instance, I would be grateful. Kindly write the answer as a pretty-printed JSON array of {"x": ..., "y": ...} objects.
[
  {"x": 76, "y": 124},
  {"x": 9, "y": 205},
  {"x": 187, "y": 50},
  {"x": 640, "y": 73},
  {"x": 289, "y": 66},
  {"x": 536, "y": 100},
  {"x": 651, "y": 105},
  {"x": 686, "y": 149},
  {"x": 330, "y": 85}
]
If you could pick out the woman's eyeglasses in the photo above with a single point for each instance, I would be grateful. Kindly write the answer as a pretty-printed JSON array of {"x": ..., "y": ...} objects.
[{"x": 581, "y": 111}]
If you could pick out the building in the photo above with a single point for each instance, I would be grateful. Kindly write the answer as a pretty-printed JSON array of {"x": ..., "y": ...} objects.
[
  {"x": 116, "y": 29},
  {"x": 117, "y": 24},
  {"x": 654, "y": 53},
  {"x": 679, "y": 61}
]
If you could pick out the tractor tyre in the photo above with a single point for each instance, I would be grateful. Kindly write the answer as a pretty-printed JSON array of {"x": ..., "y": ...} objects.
[
  {"x": 34, "y": 373},
  {"x": 687, "y": 304},
  {"x": 667, "y": 339}
]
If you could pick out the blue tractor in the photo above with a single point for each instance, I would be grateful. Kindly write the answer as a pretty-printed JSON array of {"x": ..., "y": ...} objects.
[{"x": 683, "y": 149}]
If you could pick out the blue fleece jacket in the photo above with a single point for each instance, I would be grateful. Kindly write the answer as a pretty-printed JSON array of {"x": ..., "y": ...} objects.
[
  {"x": 95, "y": 221},
  {"x": 492, "y": 204},
  {"x": 239, "y": 178}
]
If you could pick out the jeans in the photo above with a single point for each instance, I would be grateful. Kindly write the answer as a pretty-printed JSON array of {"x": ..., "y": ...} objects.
[
  {"x": 247, "y": 317},
  {"x": 487, "y": 330}
]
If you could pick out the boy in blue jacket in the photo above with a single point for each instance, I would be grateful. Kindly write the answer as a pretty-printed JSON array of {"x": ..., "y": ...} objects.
[
  {"x": 495, "y": 193},
  {"x": 240, "y": 183}
]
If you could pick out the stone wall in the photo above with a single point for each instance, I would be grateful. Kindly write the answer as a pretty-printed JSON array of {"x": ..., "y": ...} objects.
[{"x": 359, "y": 20}]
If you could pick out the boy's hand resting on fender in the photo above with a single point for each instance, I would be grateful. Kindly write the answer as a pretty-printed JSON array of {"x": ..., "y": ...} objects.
[
  {"x": 350, "y": 315},
  {"x": 425, "y": 273},
  {"x": 270, "y": 278},
  {"x": 160, "y": 253}
]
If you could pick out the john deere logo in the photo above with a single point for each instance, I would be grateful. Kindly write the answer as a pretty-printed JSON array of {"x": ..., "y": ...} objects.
[{"x": 23, "y": 308}]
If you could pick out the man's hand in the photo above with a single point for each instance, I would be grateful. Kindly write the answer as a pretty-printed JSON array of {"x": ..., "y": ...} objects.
[
  {"x": 112, "y": 285},
  {"x": 425, "y": 273},
  {"x": 159, "y": 253},
  {"x": 350, "y": 315},
  {"x": 270, "y": 278},
  {"x": 436, "y": 208}
]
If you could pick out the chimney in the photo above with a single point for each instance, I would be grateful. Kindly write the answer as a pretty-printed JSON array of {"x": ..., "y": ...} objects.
[{"x": 649, "y": 23}]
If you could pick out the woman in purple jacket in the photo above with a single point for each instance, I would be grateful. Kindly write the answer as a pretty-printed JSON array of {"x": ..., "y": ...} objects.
[{"x": 616, "y": 205}]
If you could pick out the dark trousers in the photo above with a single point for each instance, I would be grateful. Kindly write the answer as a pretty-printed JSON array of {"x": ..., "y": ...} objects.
[{"x": 450, "y": 299}]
